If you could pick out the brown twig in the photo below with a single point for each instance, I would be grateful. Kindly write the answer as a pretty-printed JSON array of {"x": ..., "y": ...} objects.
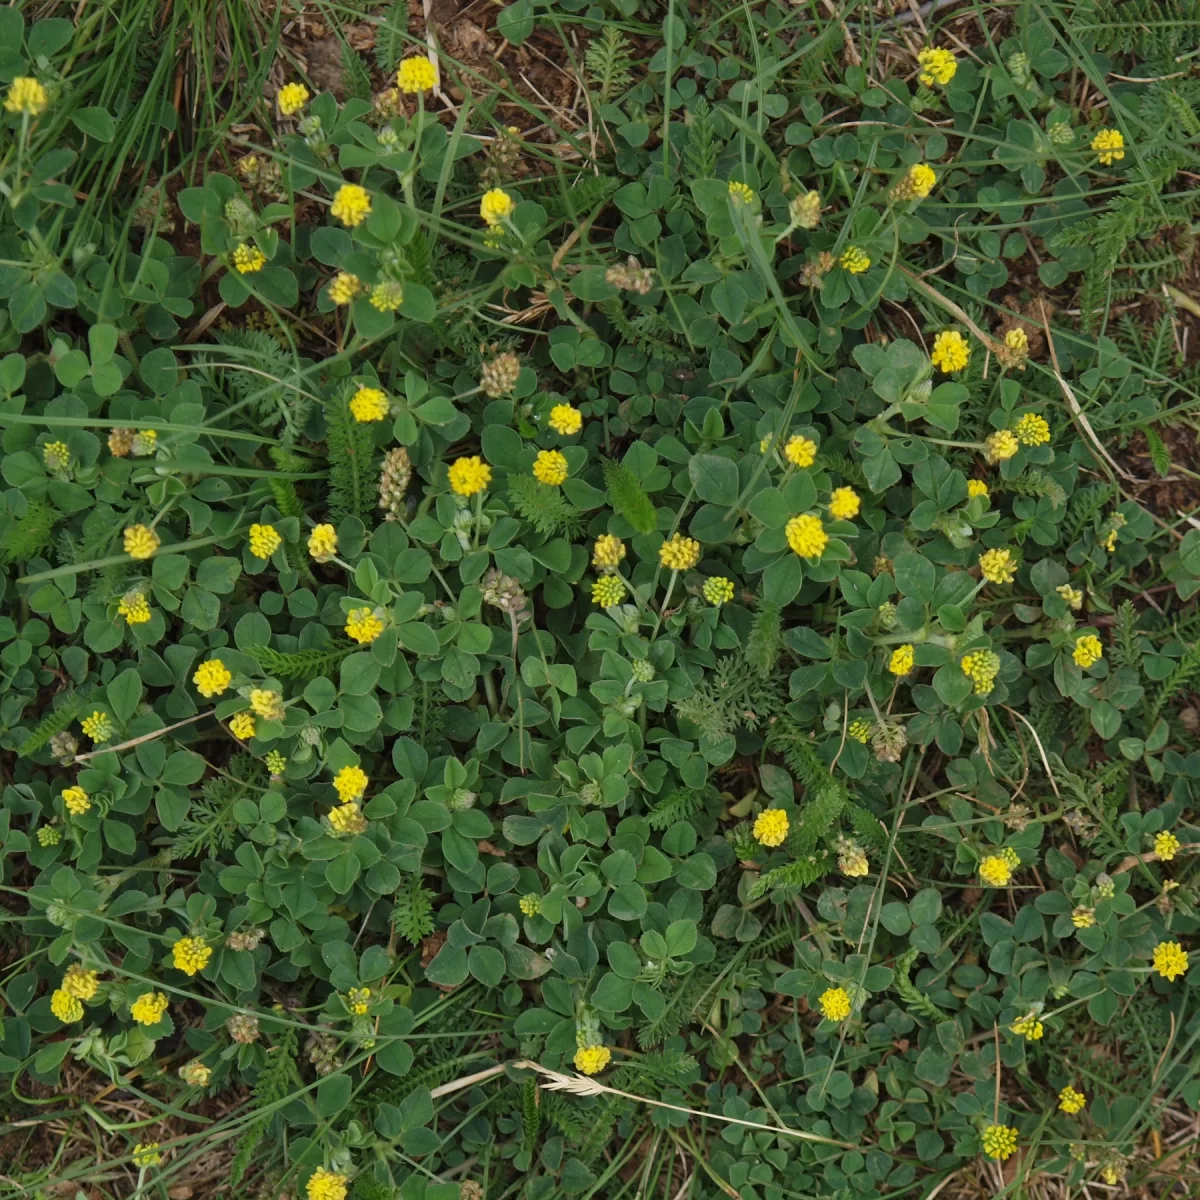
[{"x": 146, "y": 737}]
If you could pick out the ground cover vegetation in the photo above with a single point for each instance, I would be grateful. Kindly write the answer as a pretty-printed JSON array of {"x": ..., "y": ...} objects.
[{"x": 599, "y": 599}]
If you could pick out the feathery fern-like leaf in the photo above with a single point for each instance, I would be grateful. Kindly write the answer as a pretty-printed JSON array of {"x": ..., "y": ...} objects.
[{"x": 628, "y": 498}]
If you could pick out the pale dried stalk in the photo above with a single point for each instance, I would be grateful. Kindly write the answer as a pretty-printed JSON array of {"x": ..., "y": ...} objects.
[
  {"x": 1041, "y": 750},
  {"x": 146, "y": 737}
]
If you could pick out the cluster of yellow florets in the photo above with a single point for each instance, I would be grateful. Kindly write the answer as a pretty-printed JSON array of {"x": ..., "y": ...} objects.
[
  {"x": 550, "y": 467},
  {"x": 800, "y": 451},
  {"x": 903, "y": 659},
  {"x": 264, "y": 540},
  {"x": 369, "y": 404},
  {"x": 951, "y": 351},
  {"x": 591, "y": 1060},
  {"x": 212, "y": 677},
  {"x": 190, "y": 954},
  {"x": 469, "y": 475},
  {"x": 364, "y": 625},
  {"x": 416, "y": 74},
  {"x": 1088, "y": 651},
  {"x": 350, "y": 783},
  {"x": 998, "y": 566},
  {"x": 835, "y": 1004},
  {"x": 806, "y": 536},
  {"x": 679, "y": 553},
  {"x": 771, "y": 827},
  {"x": 855, "y": 260},
  {"x": 938, "y": 66},
  {"x": 981, "y": 667}
]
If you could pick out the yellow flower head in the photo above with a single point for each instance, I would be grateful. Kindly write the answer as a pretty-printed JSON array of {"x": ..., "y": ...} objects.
[
  {"x": 951, "y": 351},
  {"x": 844, "y": 504},
  {"x": 860, "y": 731},
  {"x": 976, "y": 487},
  {"x": 771, "y": 827},
  {"x": 98, "y": 726},
  {"x": 134, "y": 607},
  {"x": 550, "y": 467},
  {"x": 264, "y": 540},
  {"x": 1032, "y": 430},
  {"x": 740, "y": 193},
  {"x": 140, "y": 542},
  {"x": 65, "y": 1006},
  {"x": 469, "y": 475},
  {"x": 325, "y": 1185},
  {"x": 195, "y": 1073},
  {"x": 937, "y": 66},
  {"x": 1088, "y": 650},
  {"x": 607, "y": 591},
  {"x": 267, "y": 704},
  {"x": 369, "y": 404},
  {"x": 902, "y": 660},
  {"x": 999, "y": 1141},
  {"x": 387, "y": 296},
  {"x": 212, "y": 677},
  {"x": 416, "y": 74},
  {"x": 852, "y": 860},
  {"x": 718, "y": 590},
  {"x": 1170, "y": 960},
  {"x": 1165, "y": 845},
  {"x": 591, "y": 1060},
  {"x": 531, "y": 904},
  {"x": 806, "y": 536},
  {"x": 835, "y": 1004},
  {"x": 608, "y": 552},
  {"x": 800, "y": 451},
  {"x": 998, "y": 566},
  {"x": 148, "y": 1008},
  {"x": 565, "y": 420},
  {"x": 981, "y": 667},
  {"x": 921, "y": 180},
  {"x": 1017, "y": 340},
  {"x": 77, "y": 802},
  {"x": 242, "y": 726},
  {"x": 679, "y": 553},
  {"x": 190, "y": 955},
  {"x": 248, "y": 259},
  {"x": 1083, "y": 917},
  {"x": 995, "y": 871},
  {"x": 344, "y": 287},
  {"x": 145, "y": 1154},
  {"x": 276, "y": 762},
  {"x": 351, "y": 205},
  {"x": 1071, "y": 1101},
  {"x": 292, "y": 98},
  {"x": 855, "y": 260},
  {"x": 1109, "y": 144},
  {"x": 363, "y": 625},
  {"x": 322, "y": 543},
  {"x": 351, "y": 783},
  {"x": 25, "y": 95},
  {"x": 496, "y": 206},
  {"x": 1029, "y": 1027},
  {"x": 79, "y": 982},
  {"x": 347, "y": 818},
  {"x": 56, "y": 455},
  {"x": 1001, "y": 445},
  {"x": 358, "y": 1000}
]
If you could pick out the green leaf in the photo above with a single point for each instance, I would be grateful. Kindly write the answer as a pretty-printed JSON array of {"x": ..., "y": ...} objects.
[
  {"x": 715, "y": 479},
  {"x": 515, "y": 23},
  {"x": 95, "y": 122}
]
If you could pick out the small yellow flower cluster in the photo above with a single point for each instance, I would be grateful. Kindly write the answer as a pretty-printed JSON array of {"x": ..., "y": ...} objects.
[
  {"x": 79, "y": 982},
  {"x": 1109, "y": 144},
  {"x": 860, "y": 731},
  {"x": 469, "y": 475},
  {"x": 325, "y": 1185},
  {"x": 800, "y": 451},
  {"x": 771, "y": 827},
  {"x": 77, "y": 801},
  {"x": 1088, "y": 651},
  {"x": 351, "y": 205},
  {"x": 98, "y": 726},
  {"x": 387, "y": 296},
  {"x": 496, "y": 207},
  {"x": 267, "y": 704},
  {"x": 1032, "y": 430},
  {"x": 195, "y": 1073},
  {"x": 1083, "y": 917},
  {"x": 550, "y": 468},
  {"x": 903, "y": 659},
  {"x": 1071, "y": 1101},
  {"x": 364, "y": 625},
  {"x": 358, "y": 1000},
  {"x": 291, "y": 98},
  {"x": 835, "y": 1004},
  {"x": 145, "y": 1154},
  {"x": 25, "y": 95},
  {"x": 976, "y": 487},
  {"x": 369, "y": 404},
  {"x": 242, "y": 726},
  {"x": 607, "y": 591},
  {"x": 998, "y": 566},
  {"x": 134, "y": 607},
  {"x": 1170, "y": 960},
  {"x": 981, "y": 667},
  {"x": 995, "y": 871},
  {"x": 416, "y": 74},
  {"x": 679, "y": 553},
  {"x": 212, "y": 677},
  {"x": 1029, "y": 1027},
  {"x": 350, "y": 783},
  {"x": 852, "y": 859},
  {"x": 531, "y": 904},
  {"x": 248, "y": 259},
  {"x": 149, "y": 1008},
  {"x": 718, "y": 590},
  {"x": 344, "y": 287},
  {"x": 855, "y": 260},
  {"x": 1000, "y": 446},
  {"x": 591, "y": 1060},
  {"x": 1073, "y": 596},
  {"x": 1166, "y": 844},
  {"x": 66, "y": 1007},
  {"x": 347, "y": 818},
  {"x": 56, "y": 455},
  {"x": 276, "y": 762},
  {"x": 140, "y": 542},
  {"x": 322, "y": 543},
  {"x": 917, "y": 183},
  {"x": 999, "y": 1141},
  {"x": 608, "y": 552},
  {"x": 264, "y": 540},
  {"x": 844, "y": 504},
  {"x": 565, "y": 420},
  {"x": 937, "y": 66},
  {"x": 806, "y": 536},
  {"x": 740, "y": 193},
  {"x": 190, "y": 955},
  {"x": 950, "y": 351}
]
